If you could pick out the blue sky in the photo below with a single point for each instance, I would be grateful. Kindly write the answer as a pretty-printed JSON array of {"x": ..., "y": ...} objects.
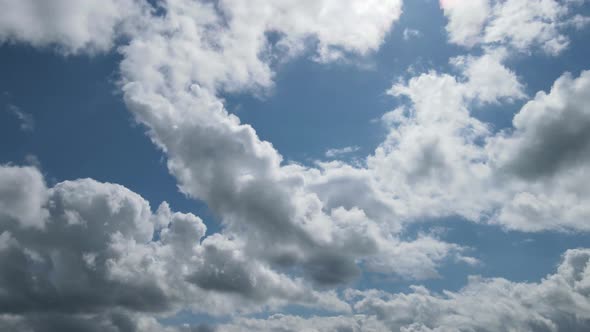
[{"x": 135, "y": 106}]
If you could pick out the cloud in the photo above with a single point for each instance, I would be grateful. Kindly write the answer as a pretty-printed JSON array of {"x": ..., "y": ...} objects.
[
  {"x": 551, "y": 132},
  {"x": 27, "y": 122},
  {"x": 22, "y": 196},
  {"x": 548, "y": 151},
  {"x": 167, "y": 56},
  {"x": 173, "y": 72},
  {"x": 88, "y": 26},
  {"x": 488, "y": 80},
  {"x": 466, "y": 19},
  {"x": 411, "y": 33},
  {"x": 439, "y": 160},
  {"x": 332, "y": 153},
  {"x": 559, "y": 302},
  {"x": 430, "y": 160},
  {"x": 99, "y": 251},
  {"x": 229, "y": 44},
  {"x": 522, "y": 25},
  {"x": 68, "y": 265},
  {"x": 85, "y": 254},
  {"x": 173, "y": 69}
]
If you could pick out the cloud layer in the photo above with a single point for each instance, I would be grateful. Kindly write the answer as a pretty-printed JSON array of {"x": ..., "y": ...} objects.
[
  {"x": 560, "y": 302},
  {"x": 520, "y": 24},
  {"x": 86, "y": 255}
]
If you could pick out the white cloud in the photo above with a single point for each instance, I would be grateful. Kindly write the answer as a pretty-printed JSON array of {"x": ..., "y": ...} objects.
[
  {"x": 550, "y": 131},
  {"x": 559, "y": 302},
  {"x": 487, "y": 79},
  {"x": 106, "y": 237},
  {"x": 23, "y": 196},
  {"x": 100, "y": 242},
  {"x": 27, "y": 122},
  {"x": 332, "y": 153},
  {"x": 353, "y": 26},
  {"x": 430, "y": 160},
  {"x": 411, "y": 33},
  {"x": 548, "y": 152},
  {"x": 173, "y": 72},
  {"x": 226, "y": 46},
  {"x": 438, "y": 160},
  {"x": 466, "y": 19},
  {"x": 519, "y": 24},
  {"x": 86, "y": 26}
]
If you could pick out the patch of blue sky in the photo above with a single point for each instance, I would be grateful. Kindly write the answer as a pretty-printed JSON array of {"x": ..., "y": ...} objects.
[{"x": 82, "y": 127}]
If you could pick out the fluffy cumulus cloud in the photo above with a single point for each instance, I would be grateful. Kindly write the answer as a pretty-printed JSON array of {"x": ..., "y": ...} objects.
[
  {"x": 550, "y": 132},
  {"x": 432, "y": 160},
  {"x": 520, "y": 24},
  {"x": 547, "y": 152},
  {"x": 22, "y": 194},
  {"x": 449, "y": 163},
  {"x": 560, "y": 302},
  {"x": 85, "y": 255},
  {"x": 101, "y": 251},
  {"x": 221, "y": 161},
  {"x": 349, "y": 26},
  {"x": 232, "y": 45},
  {"x": 466, "y": 19},
  {"x": 87, "y": 26}
]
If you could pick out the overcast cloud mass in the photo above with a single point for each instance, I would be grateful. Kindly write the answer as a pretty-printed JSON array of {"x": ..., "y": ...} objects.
[{"x": 295, "y": 244}]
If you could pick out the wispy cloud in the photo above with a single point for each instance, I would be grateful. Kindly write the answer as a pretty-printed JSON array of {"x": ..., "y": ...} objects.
[
  {"x": 27, "y": 122},
  {"x": 332, "y": 153},
  {"x": 411, "y": 33}
]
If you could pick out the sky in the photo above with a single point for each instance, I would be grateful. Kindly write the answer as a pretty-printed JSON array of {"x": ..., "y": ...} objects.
[{"x": 321, "y": 165}]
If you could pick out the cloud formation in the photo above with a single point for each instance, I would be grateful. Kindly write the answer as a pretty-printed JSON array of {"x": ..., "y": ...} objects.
[
  {"x": 557, "y": 303},
  {"x": 547, "y": 152},
  {"x": 522, "y": 25},
  {"x": 221, "y": 161},
  {"x": 27, "y": 122},
  {"x": 100, "y": 249},
  {"x": 87, "y": 255},
  {"x": 89, "y": 26}
]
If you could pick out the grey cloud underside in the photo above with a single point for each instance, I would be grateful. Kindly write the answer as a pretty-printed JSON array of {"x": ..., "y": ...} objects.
[
  {"x": 50, "y": 268},
  {"x": 552, "y": 132},
  {"x": 560, "y": 302},
  {"x": 223, "y": 162},
  {"x": 92, "y": 256}
]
